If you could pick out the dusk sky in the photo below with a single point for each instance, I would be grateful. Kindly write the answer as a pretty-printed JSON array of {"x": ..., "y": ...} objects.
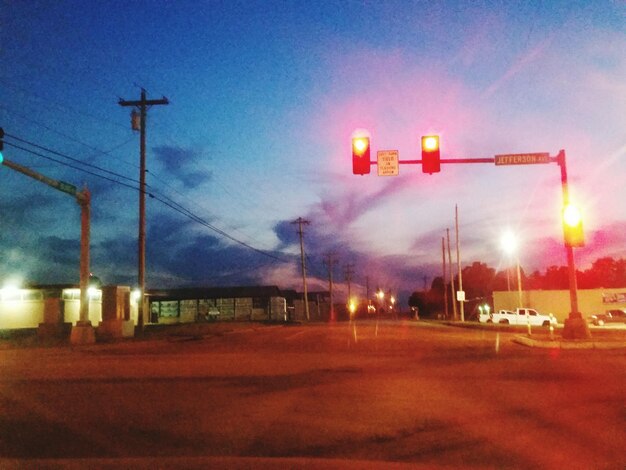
[{"x": 264, "y": 96}]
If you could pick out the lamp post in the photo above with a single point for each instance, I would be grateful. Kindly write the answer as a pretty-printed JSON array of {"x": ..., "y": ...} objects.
[
  {"x": 381, "y": 298},
  {"x": 509, "y": 244}
]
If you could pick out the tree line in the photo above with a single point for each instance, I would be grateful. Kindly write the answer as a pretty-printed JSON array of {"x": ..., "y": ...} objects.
[{"x": 480, "y": 281}]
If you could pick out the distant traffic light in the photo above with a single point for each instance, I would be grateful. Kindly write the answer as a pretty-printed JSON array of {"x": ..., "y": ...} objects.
[
  {"x": 573, "y": 226},
  {"x": 431, "y": 158},
  {"x": 361, "y": 155}
]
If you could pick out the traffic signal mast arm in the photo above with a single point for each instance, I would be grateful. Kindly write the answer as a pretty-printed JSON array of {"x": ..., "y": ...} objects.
[
  {"x": 81, "y": 196},
  {"x": 450, "y": 160},
  {"x": 84, "y": 201},
  {"x": 466, "y": 160}
]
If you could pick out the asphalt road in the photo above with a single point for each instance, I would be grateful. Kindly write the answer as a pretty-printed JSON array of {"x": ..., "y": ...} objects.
[{"x": 403, "y": 394}]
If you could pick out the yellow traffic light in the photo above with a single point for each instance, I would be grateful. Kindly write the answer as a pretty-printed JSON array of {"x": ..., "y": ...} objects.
[
  {"x": 430, "y": 142},
  {"x": 360, "y": 155},
  {"x": 431, "y": 158},
  {"x": 573, "y": 226},
  {"x": 360, "y": 145},
  {"x": 571, "y": 215}
]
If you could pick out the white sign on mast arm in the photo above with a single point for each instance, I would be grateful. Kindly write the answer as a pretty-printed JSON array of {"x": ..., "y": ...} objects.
[{"x": 387, "y": 163}]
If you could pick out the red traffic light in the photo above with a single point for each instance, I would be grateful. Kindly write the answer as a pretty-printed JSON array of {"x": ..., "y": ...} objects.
[
  {"x": 361, "y": 155},
  {"x": 431, "y": 157}
]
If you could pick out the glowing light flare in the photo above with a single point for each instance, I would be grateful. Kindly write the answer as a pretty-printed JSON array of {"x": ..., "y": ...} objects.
[
  {"x": 135, "y": 295},
  {"x": 572, "y": 216},
  {"x": 360, "y": 145},
  {"x": 10, "y": 292},
  {"x": 509, "y": 242},
  {"x": 430, "y": 143}
]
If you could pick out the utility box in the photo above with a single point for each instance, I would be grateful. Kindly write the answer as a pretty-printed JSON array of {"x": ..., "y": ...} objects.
[
  {"x": 116, "y": 321},
  {"x": 53, "y": 325}
]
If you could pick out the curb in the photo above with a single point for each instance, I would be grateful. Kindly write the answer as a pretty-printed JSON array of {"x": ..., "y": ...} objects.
[{"x": 568, "y": 344}]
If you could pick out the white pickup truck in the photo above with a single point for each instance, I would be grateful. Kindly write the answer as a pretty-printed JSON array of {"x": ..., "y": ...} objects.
[{"x": 521, "y": 316}]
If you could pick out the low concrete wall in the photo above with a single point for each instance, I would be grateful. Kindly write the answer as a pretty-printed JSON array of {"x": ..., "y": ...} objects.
[{"x": 557, "y": 302}]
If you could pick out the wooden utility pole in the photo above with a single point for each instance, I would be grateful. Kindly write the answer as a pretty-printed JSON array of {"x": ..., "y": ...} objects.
[
  {"x": 330, "y": 259},
  {"x": 445, "y": 288},
  {"x": 349, "y": 272},
  {"x": 142, "y": 104},
  {"x": 458, "y": 259},
  {"x": 300, "y": 221},
  {"x": 452, "y": 289}
]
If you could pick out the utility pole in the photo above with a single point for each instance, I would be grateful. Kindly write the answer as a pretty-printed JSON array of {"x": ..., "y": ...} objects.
[
  {"x": 349, "y": 272},
  {"x": 142, "y": 104},
  {"x": 458, "y": 259},
  {"x": 445, "y": 288},
  {"x": 452, "y": 289},
  {"x": 330, "y": 258},
  {"x": 300, "y": 221}
]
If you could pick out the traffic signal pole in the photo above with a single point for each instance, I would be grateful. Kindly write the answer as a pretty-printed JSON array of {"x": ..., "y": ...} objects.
[
  {"x": 82, "y": 332},
  {"x": 575, "y": 326}
]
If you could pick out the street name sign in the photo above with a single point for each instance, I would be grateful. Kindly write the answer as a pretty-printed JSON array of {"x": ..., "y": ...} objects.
[
  {"x": 522, "y": 158},
  {"x": 387, "y": 162},
  {"x": 67, "y": 188}
]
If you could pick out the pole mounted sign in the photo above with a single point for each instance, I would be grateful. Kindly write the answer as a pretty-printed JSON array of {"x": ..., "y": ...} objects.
[
  {"x": 522, "y": 158},
  {"x": 387, "y": 163}
]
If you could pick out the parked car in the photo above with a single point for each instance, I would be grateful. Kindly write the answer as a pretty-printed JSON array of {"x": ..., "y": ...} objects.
[
  {"x": 611, "y": 316},
  {"x": 521, "y": 316}
]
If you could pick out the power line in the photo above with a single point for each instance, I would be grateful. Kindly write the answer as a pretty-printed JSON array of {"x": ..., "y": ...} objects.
[
  {"x": 80, "y": 162},
  {"x": 159, "y": 197},
  {"x": 69, "y": 165}
]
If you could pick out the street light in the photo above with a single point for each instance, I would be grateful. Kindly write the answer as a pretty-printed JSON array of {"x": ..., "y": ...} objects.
[
  {"x": 352, "y": 307},
  {"x": 510, "y": 245}
]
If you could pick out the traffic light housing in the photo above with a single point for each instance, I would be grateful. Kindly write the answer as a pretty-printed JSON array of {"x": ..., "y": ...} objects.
[
  {"x": 573, "y": 226},
  {"x": 361, "y": 155},
  {"x": 431, "y": 157}
]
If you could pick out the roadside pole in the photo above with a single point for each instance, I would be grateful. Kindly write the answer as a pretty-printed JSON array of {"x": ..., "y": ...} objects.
[
  {"x": 83, "y": 332},
  {"x": 575, "y": 326}
]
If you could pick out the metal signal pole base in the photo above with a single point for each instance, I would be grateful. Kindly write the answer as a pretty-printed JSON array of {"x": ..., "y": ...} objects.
[
  {"x": 83, "y": 333},
  {"x": 576, "y": 327}
]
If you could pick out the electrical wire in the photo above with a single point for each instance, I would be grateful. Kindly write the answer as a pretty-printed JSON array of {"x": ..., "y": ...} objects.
[
  {"x": 161, "y": 198},
  {"x": 76, "y": 160}
]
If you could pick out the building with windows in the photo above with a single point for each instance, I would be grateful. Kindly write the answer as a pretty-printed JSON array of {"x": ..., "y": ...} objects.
[
  {"x": 252, "y": 303},
  {"x": 113, "y": 310},
  {"x": 51, "y": 304}
]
